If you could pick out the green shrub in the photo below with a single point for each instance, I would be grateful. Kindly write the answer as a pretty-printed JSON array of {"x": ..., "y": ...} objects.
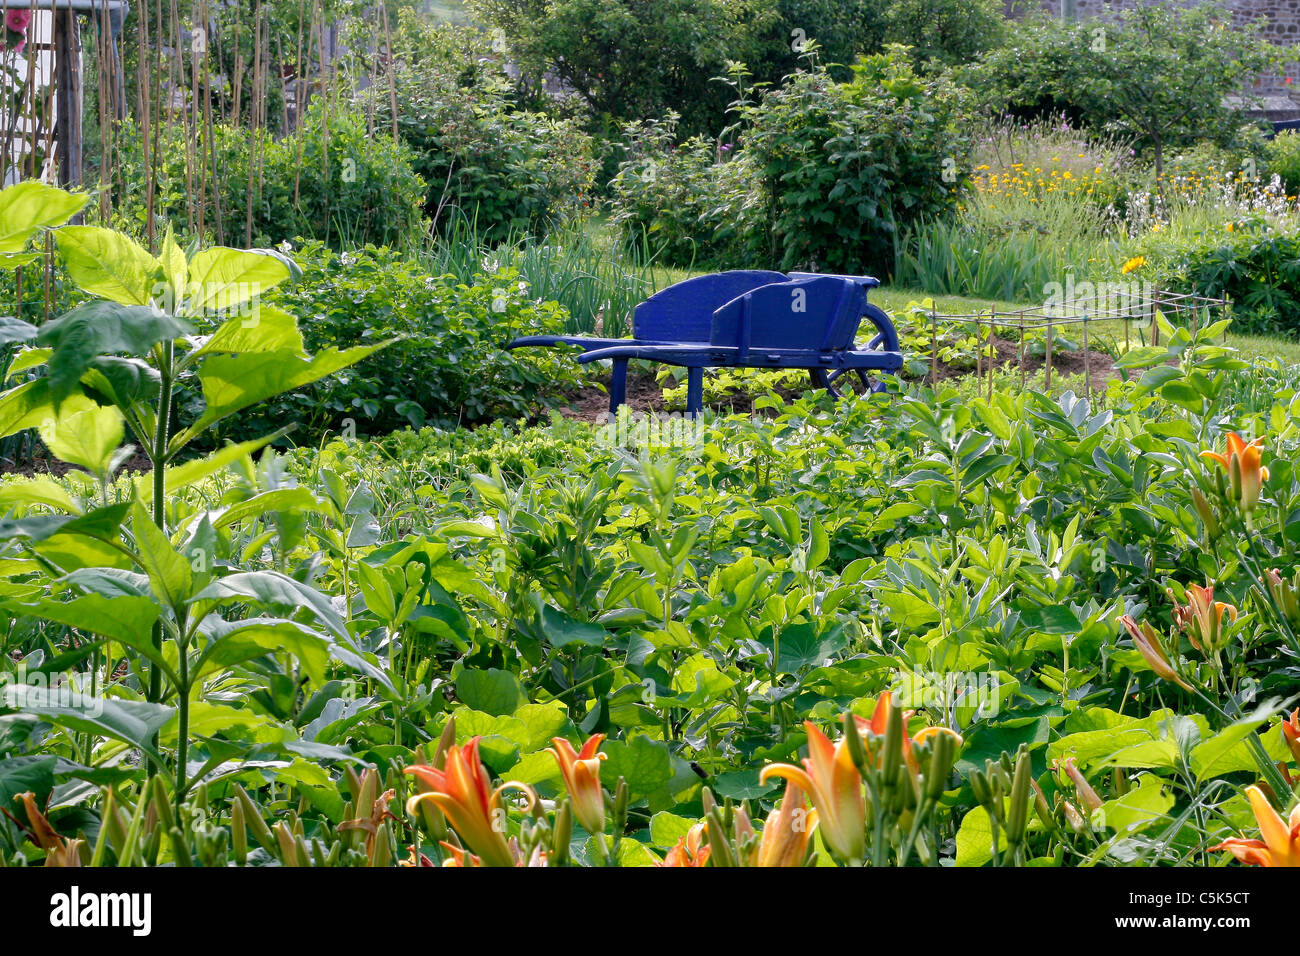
[
  {"x": 449, "y": 367},
  {"x": 509, "y": 171},
  {"x": 1159, "y": 74},
  {"x": 336, "y": 181},
  {"x": 330, "y": 180},
  {"x": 945, "y": 31},
  {"x": 689, "y": 202},
  {"x": 845, "y": 165},
  {"x": 1282, "y": 158},
  {"x": 1258, "y": 270}
]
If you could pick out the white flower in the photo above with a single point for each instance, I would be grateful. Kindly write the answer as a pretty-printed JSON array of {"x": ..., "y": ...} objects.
[{"x": 347, "y": 259}]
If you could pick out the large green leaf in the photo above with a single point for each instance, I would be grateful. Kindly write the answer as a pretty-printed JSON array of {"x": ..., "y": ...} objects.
[
  {"x": 232, "y": 643},
  {"x": 32, "y": 205},
  {"x": 126, "y": 618},
  {"x": 102, "y": 328},
  {"x": 84, "y": 433},
  {"x": 108, "y": 264},
  {"x": 274, "y": 330},
  {"x": 171, "y": 576},
  {"x": 25, "y": 407},
  {"x": 16, "y": 330},
  {"x": 491, "y": 691},
  {"x": 232, "y": 382},
  {"x": 222, "y": 279},
  {"x": 645, "y": 763},
  {"x": 131, "y": 721}
]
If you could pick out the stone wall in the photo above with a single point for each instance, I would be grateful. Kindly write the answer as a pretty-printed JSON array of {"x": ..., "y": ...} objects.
[{"x": 1283, "y": 29}]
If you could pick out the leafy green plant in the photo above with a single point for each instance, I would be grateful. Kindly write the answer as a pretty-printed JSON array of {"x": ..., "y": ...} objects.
[
  {"x": 448, "y": 365},
  {"x": 1282, "y": 158},
  {"x": 115, "y": 565},
  {"x": 846, "y": 165},
  {"x": 510, "y": 172}
]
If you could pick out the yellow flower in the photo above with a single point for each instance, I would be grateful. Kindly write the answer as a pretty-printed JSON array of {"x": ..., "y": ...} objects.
[{"x": 1137, "y": 262}]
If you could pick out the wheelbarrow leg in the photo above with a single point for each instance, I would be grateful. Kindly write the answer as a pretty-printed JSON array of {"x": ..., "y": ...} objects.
[
  {"x": 694, "y": 390},
  {"x": 618, "y": 386}
]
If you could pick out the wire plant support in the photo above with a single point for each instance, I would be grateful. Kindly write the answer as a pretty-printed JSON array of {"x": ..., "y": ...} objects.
[{"x": 1137, "y": 311}]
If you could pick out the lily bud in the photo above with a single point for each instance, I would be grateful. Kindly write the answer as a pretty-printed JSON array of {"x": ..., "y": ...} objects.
[
  {"x": 1291, "y": 734},
  {"x": 1202, "y": 618},
  {"x": 562, "y": 835},
  {"x": 1285, "y": 594},
  {"x": 1246, "y": 475},
  {"x": 1208, "y": 518},
  {"x": 1018, "y": 814},
  {"x": 1152, "y": 650},
  {"x": 1087, "y": 796}
]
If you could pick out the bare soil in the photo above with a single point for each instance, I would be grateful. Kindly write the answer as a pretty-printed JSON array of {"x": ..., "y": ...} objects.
[
  {"x": 42, "y": 464},
  {"x": 645, "y": 395}
]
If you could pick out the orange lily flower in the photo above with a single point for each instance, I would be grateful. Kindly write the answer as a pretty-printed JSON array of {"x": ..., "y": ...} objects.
[
  {"x": 829, "y": 776},
  {"x": 1152, "y": 650},
  {"x": 1241, "y": 460},
  {"x": 1291, "y": 734},
  {"x": 688, "y": 851},
  {"x": 462, "y": 792},
  {"x": 1280, "y": 845},
  {"x": 789, "y": 827},
  {"x": 581, "y": 772},
  {"x": 1202, "y": 617}
]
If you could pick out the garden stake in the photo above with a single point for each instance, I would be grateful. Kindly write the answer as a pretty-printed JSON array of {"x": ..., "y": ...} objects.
[
  {"x": 1047, "y": 380},
  {"x": 1087, "y": 365},
  {"x": 1022, "y": 351},
  {"x": 934, "y": 347},
  {"x": 993, "y": 348}
]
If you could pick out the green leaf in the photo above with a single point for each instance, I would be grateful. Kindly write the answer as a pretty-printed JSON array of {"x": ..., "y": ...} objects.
[
  {"x": 29, "y": 206},
  {"x": 232, "y": 382},
  {"x": 1227, "y": 751},
  {"x": 274, "y": 330},
  {"x": 975, "y": 839},
  {"x": 124, "y": 618},
  {"x": 16, "y": 330},
  {"x": 182, "y": 476},
  {"x": 131, "y": 721},
  {"x": 170, "y": 575},
  {"x": 643, "y": 762},
  {"x": 37, "y": 491},
  {"x": 84, "y": 433},
  {"x": 1143, "y": 356},
  {"x": 102, "y": 328},
  {"x": 491, "y": 691},
  {"x": 25, "y": 407},
  {"x": 1052, "y": 619},
  {"x": 562, "y": 630},
  {"x": 222, "y": 278},
  {"x": 108, "y": 264},
  {"x": 232, "y": 643}
]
